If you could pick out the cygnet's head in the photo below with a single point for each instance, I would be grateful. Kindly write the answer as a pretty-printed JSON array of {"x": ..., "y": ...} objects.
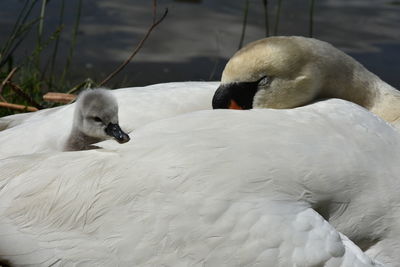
[
  {"x": 284, "y": 72},
  {"x": 96, "y": 115}
]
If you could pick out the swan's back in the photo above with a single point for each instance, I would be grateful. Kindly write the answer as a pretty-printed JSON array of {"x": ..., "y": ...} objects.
[{"x": 217, "y": 188}]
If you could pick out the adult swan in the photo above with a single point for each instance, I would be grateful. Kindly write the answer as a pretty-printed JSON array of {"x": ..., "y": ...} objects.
[
  {"x": 287, "y": 72},
  {"x": 213, "y": 188}
]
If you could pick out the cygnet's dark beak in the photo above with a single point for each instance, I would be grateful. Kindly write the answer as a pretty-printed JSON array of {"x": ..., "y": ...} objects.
[{"x": 115, "y": 131}]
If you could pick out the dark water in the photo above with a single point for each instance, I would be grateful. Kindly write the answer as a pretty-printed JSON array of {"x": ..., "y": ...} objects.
[{"x": 197, "y": 37}]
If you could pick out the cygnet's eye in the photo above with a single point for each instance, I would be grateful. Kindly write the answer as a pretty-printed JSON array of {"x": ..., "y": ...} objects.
[
  {"x": 97, "y": 119},
  {"x": 264, "y": 81}
]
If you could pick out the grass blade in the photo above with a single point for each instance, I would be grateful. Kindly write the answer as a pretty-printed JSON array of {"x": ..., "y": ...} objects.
[
  {"x": 41, "y": 20},
  {"x": 265, "y": 4},
  {"x": 73, "y": 41},
  {"x": 20, "y": 36},
  {"x": 246, "y": 12},
  {"x": 57, "y": 41},
  {"x": 17, "y": 26},
  {"x": 277, "y": 18}
]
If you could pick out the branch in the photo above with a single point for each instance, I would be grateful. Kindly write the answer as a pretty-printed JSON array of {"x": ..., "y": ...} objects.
[
  {"x": 17, "y": 107},
  {"x": 59, "y": 97},
  {"x": 138, "y": 47},
  {"x": 21, "y": 93},
  {"x": 9, "y": 76}
]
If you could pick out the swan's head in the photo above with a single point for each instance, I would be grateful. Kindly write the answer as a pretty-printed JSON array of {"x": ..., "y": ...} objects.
[
  {"x": 275, "y": 72},
  {"x": 96, "y": 115}
]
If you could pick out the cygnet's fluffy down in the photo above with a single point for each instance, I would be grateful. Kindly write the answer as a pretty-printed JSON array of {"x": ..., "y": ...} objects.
[
  {"x": 48, "y": 130},
  {"x": 95, "y": 120}
]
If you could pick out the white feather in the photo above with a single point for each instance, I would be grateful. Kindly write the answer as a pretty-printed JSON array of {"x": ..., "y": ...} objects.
[{"x": 212, "y": 188}]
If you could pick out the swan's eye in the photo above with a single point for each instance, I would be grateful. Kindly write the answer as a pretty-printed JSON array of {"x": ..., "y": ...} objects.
[
  {"x": 264, "y": 81},
  {"x": 97, "y": 119}
]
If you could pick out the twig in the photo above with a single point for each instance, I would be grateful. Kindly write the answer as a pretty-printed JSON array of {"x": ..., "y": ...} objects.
[
  {"x": 9, "y": 76},
  {"x": 21, "y": 93},
  {"x": 17, "y": 107},
  {"x": 138, "y": 47},
  {"x": 59, "y": 97}
]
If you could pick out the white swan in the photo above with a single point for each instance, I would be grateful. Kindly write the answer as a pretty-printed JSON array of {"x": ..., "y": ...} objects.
[
  {"x": 213, "y": 188},
  {"x": 95, "y": 119},
  {"x": 287, "y": 72},
  {"x": 47, "y": 130}
]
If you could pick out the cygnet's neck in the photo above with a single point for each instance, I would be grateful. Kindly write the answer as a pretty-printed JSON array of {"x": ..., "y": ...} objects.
[
  {"x": 78, "y": 140},
  {"x": 366, "y": 89}
]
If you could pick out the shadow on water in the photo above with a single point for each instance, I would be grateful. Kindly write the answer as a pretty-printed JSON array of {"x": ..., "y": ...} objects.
[{"x": 198, "y": 36}]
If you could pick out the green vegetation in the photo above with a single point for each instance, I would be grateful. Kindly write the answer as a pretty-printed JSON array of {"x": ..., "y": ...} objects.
[
  {"x": 36, "y": 73},
  {"x": 23, "y": 84}
]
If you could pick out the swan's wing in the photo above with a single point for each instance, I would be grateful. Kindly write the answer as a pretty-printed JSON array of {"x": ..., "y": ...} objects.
[
  {"x": 36, "y": 235},
  {"x": 280, "y": 235},
  {"x": 52, "y": 214}
]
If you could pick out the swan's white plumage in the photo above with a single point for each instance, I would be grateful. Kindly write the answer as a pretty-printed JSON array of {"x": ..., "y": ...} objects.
[
  {"x": 48, "y": 130},
  {"x": 211, "y": 188}
]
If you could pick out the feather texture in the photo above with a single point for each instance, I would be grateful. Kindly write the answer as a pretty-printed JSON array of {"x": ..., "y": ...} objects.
[{"x": 212, "y": 188}]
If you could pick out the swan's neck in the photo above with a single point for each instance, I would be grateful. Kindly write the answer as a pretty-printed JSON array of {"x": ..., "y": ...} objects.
[
  {"x": 368, "y": 90},
  {"x": 387, "y": 103},
  {"x": 78, "y": 140}
]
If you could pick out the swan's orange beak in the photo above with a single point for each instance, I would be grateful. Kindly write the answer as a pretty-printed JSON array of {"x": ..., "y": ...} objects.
[{"x": 234, "y": 105}]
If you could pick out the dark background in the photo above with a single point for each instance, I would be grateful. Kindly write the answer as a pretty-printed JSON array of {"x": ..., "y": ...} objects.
[{"x": 198, "y": 36}]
